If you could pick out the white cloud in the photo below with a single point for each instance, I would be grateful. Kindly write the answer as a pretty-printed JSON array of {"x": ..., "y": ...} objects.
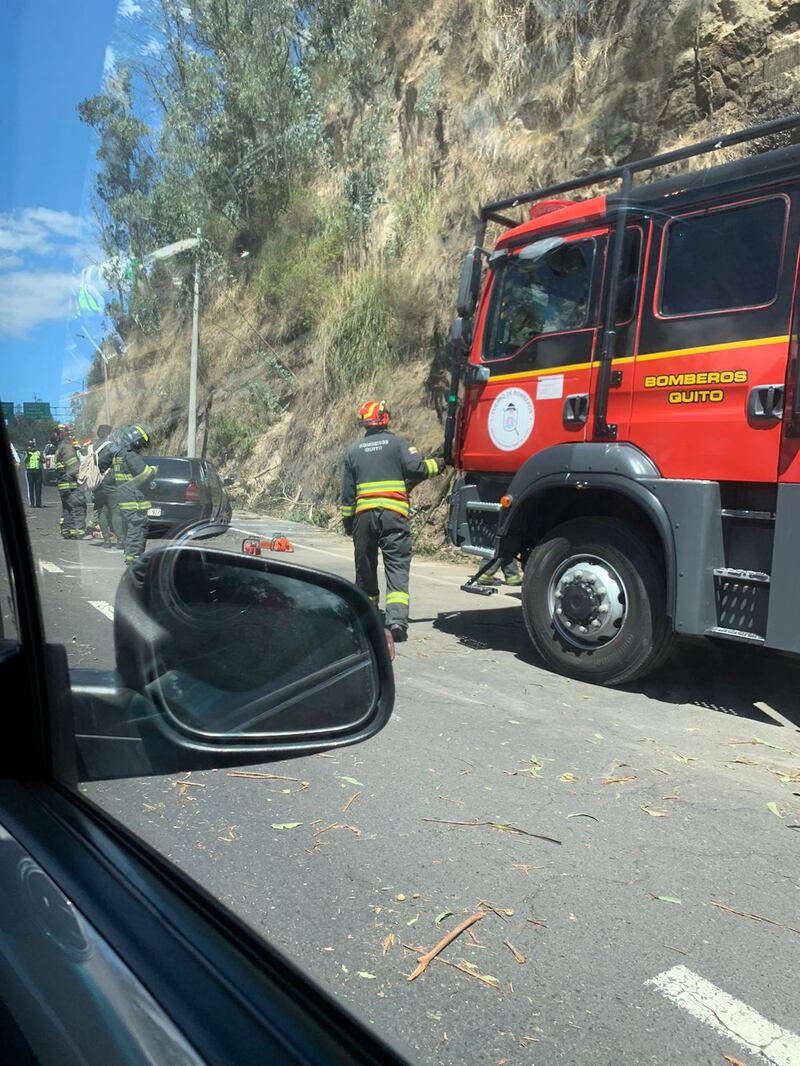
[
  {"x": 41, "y": 231},
  {"x": 129, "y": 9},
  {"x": 9, "y": 261},
  {"x": 109, "y": 61},
  {"x": 29, "y": 298}
]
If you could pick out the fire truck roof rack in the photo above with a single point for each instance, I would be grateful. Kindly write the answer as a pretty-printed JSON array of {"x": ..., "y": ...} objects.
[{"x": 492, "y": 212}]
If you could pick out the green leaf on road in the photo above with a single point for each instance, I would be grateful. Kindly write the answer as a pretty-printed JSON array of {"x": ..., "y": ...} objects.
[
  {"x": 775, "y": 809},
  {"x": 350, "y": 781},
  {"x": 344, "y": 969},
  {"x": 437, "y": 921},
  {"x": 668, "y": 899},
  {"x": 411, "y": 921},
  {"x": 367, "y": 976},
  {"x": 433, "y": 1015},
  {"x": 286, "y": 825}
]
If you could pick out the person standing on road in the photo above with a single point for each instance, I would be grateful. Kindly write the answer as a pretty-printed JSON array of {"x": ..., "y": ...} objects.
[
  {"x": 512, "y": 575},
  {"x": 106, "y": 503},
  {"x": 34, "y": 474},
  {"x": 73, "y": 500},
  {"x": 379, "y": 472},
  {"x": 131, "y": 474}
]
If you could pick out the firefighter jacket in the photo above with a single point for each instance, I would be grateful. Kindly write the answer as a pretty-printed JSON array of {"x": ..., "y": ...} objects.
[
  {"x": 131, "y": 473},
  {"x": 67, "y": 463},
  {"x": 379, "y": 471}
]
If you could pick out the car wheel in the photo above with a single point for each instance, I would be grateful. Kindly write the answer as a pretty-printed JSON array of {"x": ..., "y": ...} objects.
[{"x": 594, "y": 602}]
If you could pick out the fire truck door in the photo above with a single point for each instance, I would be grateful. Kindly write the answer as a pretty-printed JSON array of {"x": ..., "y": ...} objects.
[
  {"x": 710, "y": 371},
  {"x": 537, "y": 340}
]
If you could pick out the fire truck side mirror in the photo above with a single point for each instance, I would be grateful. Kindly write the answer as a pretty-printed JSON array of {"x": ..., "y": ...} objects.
[
  {"x": 460, "y": 333},
  {"x": 469, "y": 284}
]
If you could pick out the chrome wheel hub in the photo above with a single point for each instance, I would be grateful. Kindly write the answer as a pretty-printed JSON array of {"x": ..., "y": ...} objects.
[{"x": 587, "y": 601}]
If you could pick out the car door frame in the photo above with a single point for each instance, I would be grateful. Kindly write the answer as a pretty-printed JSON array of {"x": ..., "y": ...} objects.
[{"x": 234, "y": 995}]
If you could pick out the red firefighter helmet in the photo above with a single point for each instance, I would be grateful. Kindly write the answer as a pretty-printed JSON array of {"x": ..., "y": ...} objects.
[{"x": 373, "y": 413}]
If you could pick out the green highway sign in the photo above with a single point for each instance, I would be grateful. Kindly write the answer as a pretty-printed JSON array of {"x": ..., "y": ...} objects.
[
  {"x": 36, "y": 410},
  {"x": 8, "y": 411}
]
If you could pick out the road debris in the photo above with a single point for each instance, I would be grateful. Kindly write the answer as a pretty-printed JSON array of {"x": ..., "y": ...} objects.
[
  {"x": 400, "y": 897},
  {"x": 666, "y": 899},
  {"x": 388, "y": 942},
  {"x": 537, "y": 921},
  {"x": 503, "y": 827},
  {"x": 414, "y": 920},
  {"x": 518, "y": 956},
  {"x": 733, "y": 1061},
  {"x": 286, "y": 825},
  {"x": 337, "y": 825},
  {"x": 653, "y": 813},
  {"x": 260, "y": 776},
  {"x": 582, "y": 814},
  {"x": 424, "y": 960},
  {"x": 753, "y": 917},
  {"x": 568, "y": 779},
  {"x": 773, "y": 808},
  {"x": 618, "y": 780},
  {"x": 352, "y": 800},
  {"x": 351, "y": 781},
  {"x": 437, "y": 921}
]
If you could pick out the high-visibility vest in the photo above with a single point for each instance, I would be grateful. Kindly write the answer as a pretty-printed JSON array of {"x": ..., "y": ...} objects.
[{"x": 33, "y": 460}]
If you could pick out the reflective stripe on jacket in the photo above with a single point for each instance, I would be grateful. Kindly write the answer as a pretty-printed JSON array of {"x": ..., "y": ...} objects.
[
  {"x": 67, "y": 463},
  {"x": 379, "y": 471}
]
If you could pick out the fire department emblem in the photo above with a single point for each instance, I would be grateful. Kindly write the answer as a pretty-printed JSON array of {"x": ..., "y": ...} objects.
[{"x": 511, "y": 419}]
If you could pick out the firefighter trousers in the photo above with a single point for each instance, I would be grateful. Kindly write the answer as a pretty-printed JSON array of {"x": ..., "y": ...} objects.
[
  {"x": 134, "y": 537},
  {"x": 73, "y": 512},
  {"x": 390, "y": 533},
  {"x": 109, "y": 516}
]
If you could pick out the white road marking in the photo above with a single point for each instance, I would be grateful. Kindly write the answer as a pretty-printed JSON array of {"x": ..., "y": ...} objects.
[
  {"x": 103, "y": 608},
  {"x": 49, "y": 568},
  {"x": 728, "y": 1015}
]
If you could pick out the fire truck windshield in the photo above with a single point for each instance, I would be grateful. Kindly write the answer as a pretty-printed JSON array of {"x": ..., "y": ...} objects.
[{"x": 546, "y": 295}]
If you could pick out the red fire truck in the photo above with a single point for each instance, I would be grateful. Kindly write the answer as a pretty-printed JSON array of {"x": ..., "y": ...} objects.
[{"x": 624, "y": 413}]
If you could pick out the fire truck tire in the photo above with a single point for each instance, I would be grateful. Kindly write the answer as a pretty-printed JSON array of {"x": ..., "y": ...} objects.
[{"x": 594, "y": 602}]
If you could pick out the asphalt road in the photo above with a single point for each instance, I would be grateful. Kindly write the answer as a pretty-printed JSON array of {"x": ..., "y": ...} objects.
[{"x": 666, "y": 798}]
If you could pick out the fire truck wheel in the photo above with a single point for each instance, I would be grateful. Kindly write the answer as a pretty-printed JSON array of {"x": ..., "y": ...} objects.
[{"x": 594, "y": 602}]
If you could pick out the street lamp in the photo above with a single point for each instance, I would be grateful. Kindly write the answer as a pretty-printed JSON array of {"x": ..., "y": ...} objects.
[
  {"x": 167, "y": 252},
  {"x": 104, "y": 361}
]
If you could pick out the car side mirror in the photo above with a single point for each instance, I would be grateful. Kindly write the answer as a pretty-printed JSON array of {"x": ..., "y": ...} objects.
[{"x": 226, "y": 659}]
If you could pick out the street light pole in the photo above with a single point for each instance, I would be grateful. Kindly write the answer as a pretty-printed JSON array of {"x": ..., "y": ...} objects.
[
  {"x": 191, "y": 442},
  {"x": 104, "y": 361}
]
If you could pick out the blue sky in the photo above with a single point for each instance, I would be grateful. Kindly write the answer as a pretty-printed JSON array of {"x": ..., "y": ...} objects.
[{"x": 52, "y": 55}]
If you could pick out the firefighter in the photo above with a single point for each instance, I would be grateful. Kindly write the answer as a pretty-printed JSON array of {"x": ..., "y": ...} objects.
[
  {"x": 379, "y": 472},
  {"x": 73, "y": 500},
  {"x": 131, "y": 474},
  {"x": 511, "y": 573},
  {"x": 109, "y": 516},
  {"x": 34, "y": 474}
]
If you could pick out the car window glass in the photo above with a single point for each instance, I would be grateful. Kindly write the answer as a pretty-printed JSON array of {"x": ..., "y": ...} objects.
[
  {"x": 548, "y": 294},
  {"x": 9, "y": 624}
]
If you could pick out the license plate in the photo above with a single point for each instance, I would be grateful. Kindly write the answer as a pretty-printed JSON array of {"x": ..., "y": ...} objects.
[{"x": 153, "y": 512}]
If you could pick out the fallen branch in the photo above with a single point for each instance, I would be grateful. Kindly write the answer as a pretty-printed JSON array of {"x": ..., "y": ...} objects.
[
  {"x": 753, "y": 917},
  {"x": 425, "y": 960},
  {"x": 490, "y": 981},
  {"x": 262, "y": 776},
  {"x": 352, "y": 799},
  {"x": 503, "y": 827},
  {"x": 518, "y": 956},
  {"x": 337, "y": 825}
]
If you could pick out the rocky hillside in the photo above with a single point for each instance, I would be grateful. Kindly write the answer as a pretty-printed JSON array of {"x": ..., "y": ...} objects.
[{"x": 342, "y": 286}]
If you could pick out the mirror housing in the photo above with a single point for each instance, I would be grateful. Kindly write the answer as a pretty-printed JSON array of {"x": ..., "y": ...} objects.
[
  {"x": 469, "y": 283},
  {"x": 227, "y": 659}
]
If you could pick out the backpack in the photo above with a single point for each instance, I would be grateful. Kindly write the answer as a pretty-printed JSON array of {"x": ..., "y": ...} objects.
[{"x": 89, "y": 473}]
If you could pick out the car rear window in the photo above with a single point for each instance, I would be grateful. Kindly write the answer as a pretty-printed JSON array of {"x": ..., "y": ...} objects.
[{"x": 174, "y": 468}]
